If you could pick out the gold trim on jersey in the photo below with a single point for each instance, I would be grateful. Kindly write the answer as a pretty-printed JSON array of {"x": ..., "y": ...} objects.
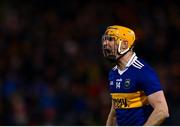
[{"x": 129, "y": 100}]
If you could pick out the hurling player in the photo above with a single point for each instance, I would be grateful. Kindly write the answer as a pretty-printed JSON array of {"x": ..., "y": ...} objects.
[{"x": 137, "y": 96}]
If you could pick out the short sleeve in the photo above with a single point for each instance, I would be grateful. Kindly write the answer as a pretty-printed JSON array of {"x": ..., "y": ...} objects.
[{"x": 149, "y": 81}]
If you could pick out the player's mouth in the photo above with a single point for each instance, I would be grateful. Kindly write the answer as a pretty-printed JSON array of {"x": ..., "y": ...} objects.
[
  {"x": 107, "y": 51},
  {"x": 109, "y": 55}
]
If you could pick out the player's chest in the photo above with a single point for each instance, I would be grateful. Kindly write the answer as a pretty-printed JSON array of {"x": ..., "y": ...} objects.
[{"x": 123, "y": 83}]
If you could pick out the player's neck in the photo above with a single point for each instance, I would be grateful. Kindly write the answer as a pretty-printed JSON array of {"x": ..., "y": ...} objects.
[{"x": 122, "y": 62}]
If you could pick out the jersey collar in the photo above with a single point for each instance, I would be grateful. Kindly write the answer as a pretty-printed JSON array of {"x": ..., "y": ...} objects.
[
  {"x": 132, "y": 59},
  {"x": 130, "y": 62}
]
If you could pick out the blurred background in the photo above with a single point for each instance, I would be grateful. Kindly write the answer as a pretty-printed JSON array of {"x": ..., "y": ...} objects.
[{"x": 52, "y": 70}]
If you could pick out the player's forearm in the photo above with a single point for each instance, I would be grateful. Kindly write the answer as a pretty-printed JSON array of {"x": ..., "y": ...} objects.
[
  {"x": 111, "y": 121},
  {"x": 157, "y": 117}
]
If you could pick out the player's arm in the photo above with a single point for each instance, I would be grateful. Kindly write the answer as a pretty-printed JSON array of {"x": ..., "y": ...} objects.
[
  {"x": 111, "y": 120},
  {"x": 160, "y": 112}
]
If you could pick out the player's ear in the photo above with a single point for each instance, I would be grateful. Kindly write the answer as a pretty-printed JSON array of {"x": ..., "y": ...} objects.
[{"x": 124, "y": 44}]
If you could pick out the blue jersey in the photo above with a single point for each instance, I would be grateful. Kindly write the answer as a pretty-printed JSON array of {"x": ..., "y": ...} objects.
[{"x": 129, "y": 90}]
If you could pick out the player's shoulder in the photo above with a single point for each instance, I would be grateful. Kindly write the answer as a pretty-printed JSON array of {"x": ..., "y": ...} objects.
[
  {"x": 139, "y": 63},
  {"x": 143, "y": 66}
]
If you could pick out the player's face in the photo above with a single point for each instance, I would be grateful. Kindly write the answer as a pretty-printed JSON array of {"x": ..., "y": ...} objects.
[{"x": 109, "y": 47}]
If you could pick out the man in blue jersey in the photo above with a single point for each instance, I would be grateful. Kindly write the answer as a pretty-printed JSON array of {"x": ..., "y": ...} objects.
[{"x": 137, "y": 96}]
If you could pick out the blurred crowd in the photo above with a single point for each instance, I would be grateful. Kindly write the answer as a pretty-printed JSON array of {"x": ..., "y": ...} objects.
[{"x": 52, "y": 70}]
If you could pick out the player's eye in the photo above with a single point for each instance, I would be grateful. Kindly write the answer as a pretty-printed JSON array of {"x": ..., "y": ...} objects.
[{"x": 109, "y": 38}]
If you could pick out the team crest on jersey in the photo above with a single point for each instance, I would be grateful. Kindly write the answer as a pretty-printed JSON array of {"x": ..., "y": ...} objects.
[{"x": 127, "y": 84}]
